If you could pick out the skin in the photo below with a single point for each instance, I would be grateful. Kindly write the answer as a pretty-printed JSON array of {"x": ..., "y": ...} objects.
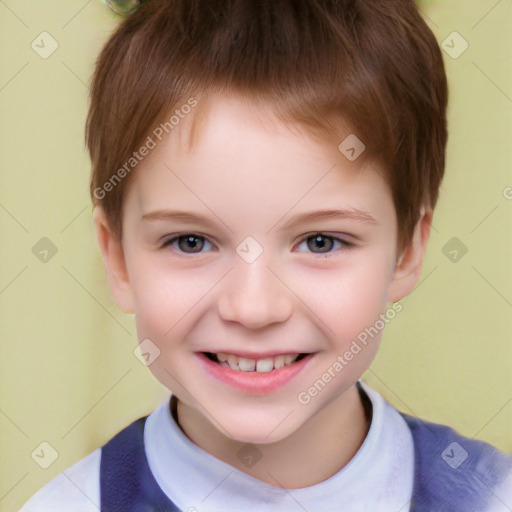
[{"x": 249, "y": 174}]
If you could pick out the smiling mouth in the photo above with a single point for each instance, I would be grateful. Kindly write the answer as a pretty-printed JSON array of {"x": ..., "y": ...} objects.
[{"x": 245, "y": 364}]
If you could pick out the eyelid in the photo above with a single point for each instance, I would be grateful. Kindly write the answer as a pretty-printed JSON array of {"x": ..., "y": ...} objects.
[
  {"x": 166, "y": 242},
  {"x": 342, "y": 237},
  {"x": 347, "y": 240},
  {"x": 166, "y": 239}
]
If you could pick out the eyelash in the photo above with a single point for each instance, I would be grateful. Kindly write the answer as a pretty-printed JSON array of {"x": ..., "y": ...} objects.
[{"x": 345, "y": 245}]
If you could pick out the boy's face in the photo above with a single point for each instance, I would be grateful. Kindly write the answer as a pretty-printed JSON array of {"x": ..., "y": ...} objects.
[{"x": 250, "y": 282}]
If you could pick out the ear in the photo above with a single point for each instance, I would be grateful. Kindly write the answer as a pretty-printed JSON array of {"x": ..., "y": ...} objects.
[
  {"x": 408, "y": 266},
  {"x": 114, "y": 261}
]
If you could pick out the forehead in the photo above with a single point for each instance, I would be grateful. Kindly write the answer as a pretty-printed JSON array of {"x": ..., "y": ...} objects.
[{"x": 231, "y": 153}]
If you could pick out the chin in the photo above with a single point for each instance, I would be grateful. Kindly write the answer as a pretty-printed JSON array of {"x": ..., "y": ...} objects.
[
  {"x": 253, "y": 435},
  {"x": 261, "y": 429}
]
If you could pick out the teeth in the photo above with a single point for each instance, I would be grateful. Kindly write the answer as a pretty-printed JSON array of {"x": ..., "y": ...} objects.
[
  {"x": 247, "y": 365},
  {"x": 278, "y": 362},
  {"x": 290, "y": 358},
  {"x": 252, "y": 365},
  {"x": 222, "y": 357},
  {"x": 265, "y": 365},
  {"x": 233, "y": 362}
]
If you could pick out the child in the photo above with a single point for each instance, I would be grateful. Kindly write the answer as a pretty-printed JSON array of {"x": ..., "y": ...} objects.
[{"x": 264, "y": 177}]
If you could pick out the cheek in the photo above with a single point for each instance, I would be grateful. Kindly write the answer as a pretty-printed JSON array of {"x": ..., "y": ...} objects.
[
  {"x": 351, "y": 298},
  {"x": 165, "y": 296},
  {"x": 165, "y": 302}
]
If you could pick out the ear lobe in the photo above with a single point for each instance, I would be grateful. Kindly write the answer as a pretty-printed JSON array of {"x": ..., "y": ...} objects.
[
  {"x": 114, "y": 261},
  {"x": 408, "y": 267}
]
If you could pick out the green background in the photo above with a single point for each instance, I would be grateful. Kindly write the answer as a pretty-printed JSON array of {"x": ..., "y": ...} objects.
[{"x": 68, "y": 373}]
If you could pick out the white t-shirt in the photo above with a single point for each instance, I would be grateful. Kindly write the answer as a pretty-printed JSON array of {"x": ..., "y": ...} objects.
[{"x": 379, "y": 478}]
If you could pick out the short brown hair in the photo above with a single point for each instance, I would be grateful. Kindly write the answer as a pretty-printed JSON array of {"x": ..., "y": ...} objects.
[{"x": 372, "y": 64}]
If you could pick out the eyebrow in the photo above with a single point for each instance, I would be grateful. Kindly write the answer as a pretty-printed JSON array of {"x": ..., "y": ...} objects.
[
  {"x": 180, "y": 216},
  {"x": 340, "y": 214},
  {"x": 194, "y": 218}
]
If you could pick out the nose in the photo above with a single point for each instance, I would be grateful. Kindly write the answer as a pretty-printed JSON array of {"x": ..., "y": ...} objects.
[{"x": 254, "y": 296}]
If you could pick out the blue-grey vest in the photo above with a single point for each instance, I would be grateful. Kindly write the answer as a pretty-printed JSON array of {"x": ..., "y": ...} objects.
[{"x": 452, "y": 473}]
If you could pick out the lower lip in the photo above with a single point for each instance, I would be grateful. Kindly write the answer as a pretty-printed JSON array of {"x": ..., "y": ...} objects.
[{"x": 254, "y": 383}]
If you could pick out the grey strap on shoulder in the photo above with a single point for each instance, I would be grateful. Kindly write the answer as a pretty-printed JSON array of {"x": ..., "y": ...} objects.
[
  {"x": 126, "y": 481},
  {"x": 453, "y": 473}
]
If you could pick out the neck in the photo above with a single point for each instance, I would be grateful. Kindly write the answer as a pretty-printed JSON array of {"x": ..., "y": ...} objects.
[{"x": 313, "y": 453}]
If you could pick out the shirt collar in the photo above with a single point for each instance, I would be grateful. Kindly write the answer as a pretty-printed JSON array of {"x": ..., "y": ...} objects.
[{"x": 378, "y": 476}]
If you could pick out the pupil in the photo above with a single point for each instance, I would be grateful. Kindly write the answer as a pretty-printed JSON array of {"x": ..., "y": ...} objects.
[
  {"x": 322, "y": 242},
  {"x": 192, "y": 242}
]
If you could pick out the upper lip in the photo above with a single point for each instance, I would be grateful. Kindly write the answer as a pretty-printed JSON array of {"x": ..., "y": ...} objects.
[{"x": 254, "y": 355}]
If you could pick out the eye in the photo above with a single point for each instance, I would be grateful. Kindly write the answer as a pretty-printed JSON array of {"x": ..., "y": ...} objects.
[
  {"x": 188, "y": 243},
  {"x": 324, "y": 243}
]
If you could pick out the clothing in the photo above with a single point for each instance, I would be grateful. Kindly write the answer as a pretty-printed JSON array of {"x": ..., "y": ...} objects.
[{"x": 401, "y": 459}]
